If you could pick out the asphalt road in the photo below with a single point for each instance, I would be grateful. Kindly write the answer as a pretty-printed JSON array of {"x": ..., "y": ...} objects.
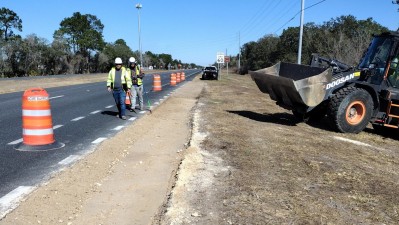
[{"x": 83, "y": 116}]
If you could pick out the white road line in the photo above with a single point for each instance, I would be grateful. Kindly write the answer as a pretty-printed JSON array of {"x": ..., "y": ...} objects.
[
  {"x": 156, "y": 103},
  {"x": 15, "y": 142},
  {"x": 110, "y": 106},
  {"x": 78, "y": 118},
  {"x": 133, "y": 119},
  {"x": 70, "y": 159},
  {"x": 142, "y": 112},
  {"x": 165, "y": 96},
  {"x": 10, "y": 201},
  {"x": 60, "y": 96},
  {"x": 118, "y": 128},
  {"x": 352, "y": 141},
  {"x": 99, "y": 140},
  {"x": 95, "y": 112},
  {"x": 57, "y": 126}
]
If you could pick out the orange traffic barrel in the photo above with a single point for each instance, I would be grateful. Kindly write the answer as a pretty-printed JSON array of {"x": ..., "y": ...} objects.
[
  {"x": 173, "y": 79},
  {"x": 37, "y": 125},
  {"x": 178, "y": 79},
  {"x": 157, "y": 83},
  {"x": 183, "y": 76}
]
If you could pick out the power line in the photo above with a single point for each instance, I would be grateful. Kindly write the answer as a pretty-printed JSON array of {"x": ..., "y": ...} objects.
[
  {"x": 255, "y": 15},
  {"x": 298, "y": 13},
  {"x": 288, "y": 9},
  {"x": 253, "y": 25},
  {"x": 230, "y": 41}
]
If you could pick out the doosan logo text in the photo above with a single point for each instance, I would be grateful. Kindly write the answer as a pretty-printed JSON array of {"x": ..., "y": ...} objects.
[{"x": 340, "y": 81}]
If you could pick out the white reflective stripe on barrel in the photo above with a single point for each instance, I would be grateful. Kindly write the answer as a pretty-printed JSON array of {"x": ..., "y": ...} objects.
[
  {"x": 37, "y": 132},
  {"x": 26, "y": 112}
]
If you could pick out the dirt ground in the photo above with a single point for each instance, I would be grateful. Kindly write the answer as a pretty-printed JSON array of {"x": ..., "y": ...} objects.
[{"x": 237, "y": 159}]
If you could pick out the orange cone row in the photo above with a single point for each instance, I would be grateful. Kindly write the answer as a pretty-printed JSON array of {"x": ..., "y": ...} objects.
[{"x": 175, "y": 78}]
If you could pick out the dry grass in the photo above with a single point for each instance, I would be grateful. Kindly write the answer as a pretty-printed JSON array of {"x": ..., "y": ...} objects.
[{"x": 286, "y": 172}]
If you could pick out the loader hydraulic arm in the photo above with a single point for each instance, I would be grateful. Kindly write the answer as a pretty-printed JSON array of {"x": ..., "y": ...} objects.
[{"x": 337, "y": 66}]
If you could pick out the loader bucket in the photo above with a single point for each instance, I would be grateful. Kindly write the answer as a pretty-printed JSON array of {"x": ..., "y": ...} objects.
[{"x": 293, "y": 86}]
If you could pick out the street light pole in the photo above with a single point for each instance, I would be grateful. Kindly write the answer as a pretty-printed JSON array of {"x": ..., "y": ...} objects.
[
  {"x": 301, "y": 32},
  {"x": 138, "y": 7}
]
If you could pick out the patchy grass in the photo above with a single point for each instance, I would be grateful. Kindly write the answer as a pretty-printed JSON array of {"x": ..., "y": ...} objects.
[{"x": 285, "y": 172}]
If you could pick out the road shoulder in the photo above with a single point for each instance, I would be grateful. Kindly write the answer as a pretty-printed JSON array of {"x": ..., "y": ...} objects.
[{"x": 126, "y": 180}]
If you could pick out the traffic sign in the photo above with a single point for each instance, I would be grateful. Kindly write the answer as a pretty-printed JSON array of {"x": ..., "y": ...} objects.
[
  {"x": 227, "y": 59},
  {"x": 220, "y": 58}
]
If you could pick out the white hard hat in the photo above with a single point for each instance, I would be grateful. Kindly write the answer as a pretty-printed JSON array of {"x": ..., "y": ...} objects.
[
  {"x": 132, "y": 60},
  {"x": 394, "y": 63},
  {"x": 118, "y": 60}
]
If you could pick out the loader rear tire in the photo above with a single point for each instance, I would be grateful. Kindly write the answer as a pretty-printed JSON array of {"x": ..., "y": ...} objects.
[{"x": 350, "y": 110}]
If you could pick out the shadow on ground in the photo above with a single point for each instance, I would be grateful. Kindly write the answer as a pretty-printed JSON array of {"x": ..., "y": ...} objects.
[
  {"x": 109, "y": 113},
  {"x": 278, "y": 118},
  {"x": 387, "y": 133}
]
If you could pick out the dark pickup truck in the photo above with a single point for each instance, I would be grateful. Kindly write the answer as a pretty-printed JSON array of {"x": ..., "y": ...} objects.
[{"x": 210, "y": 72}]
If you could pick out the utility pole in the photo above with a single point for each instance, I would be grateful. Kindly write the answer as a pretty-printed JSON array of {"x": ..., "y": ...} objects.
[
  {"x": 138, "y": 7},
  {"x": 239, "y": 51},
  {"x": 301, "y": 32},
  {"x": 227, "y": 64}
]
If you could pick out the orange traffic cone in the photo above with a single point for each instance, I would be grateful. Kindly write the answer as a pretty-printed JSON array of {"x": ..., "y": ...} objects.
[
  {"x": 183, "y": 76},
  {"x": 127, "y": 99},
  {"x": 37, "y": 125},
  {"x": 157, "y": 83},
  {"x": 178, "y": 80},
  {"x": 173, "y": 79}
]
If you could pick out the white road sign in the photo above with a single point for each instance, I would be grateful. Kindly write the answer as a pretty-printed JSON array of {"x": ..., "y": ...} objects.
[{"x": 220, "y": 58}]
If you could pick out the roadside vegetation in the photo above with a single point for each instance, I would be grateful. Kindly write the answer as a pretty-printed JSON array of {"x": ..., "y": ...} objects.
[
  {"x": 78, "y": 47},
  {"x": 344, "y": 38}
]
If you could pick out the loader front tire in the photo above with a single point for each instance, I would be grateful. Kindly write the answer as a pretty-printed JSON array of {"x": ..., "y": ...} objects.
[{"x": 350, "y": 109}]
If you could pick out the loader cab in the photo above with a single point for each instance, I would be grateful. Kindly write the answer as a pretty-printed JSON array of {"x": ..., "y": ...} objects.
[{"x": 375, "y": 60}]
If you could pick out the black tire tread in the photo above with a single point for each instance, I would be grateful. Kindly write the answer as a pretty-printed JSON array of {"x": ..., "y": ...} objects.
[{"x": 334, "y": 105}]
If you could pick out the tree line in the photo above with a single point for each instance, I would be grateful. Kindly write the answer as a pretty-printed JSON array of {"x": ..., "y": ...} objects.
[
  {"x": 78, "y": 47},
  {"x": 344, "y": 38}
]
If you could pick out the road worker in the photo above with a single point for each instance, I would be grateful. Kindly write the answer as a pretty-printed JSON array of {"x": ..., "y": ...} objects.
[
  {"x": 119, "y": 82},
  {"x": 137, "y": 76},
  {"x": 393, "y": 72}
]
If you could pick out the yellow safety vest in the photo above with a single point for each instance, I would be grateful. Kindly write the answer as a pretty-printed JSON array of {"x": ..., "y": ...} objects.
[
  {"x": 137, "y": 70},
  {"x": 126, "y": 79}
]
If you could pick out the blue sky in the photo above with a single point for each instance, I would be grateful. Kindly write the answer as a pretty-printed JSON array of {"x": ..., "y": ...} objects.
[{"x": 194, "y": 31}]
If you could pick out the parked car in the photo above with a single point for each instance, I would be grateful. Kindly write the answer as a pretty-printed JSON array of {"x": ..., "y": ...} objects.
[{"x": 210, "y": 72}]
